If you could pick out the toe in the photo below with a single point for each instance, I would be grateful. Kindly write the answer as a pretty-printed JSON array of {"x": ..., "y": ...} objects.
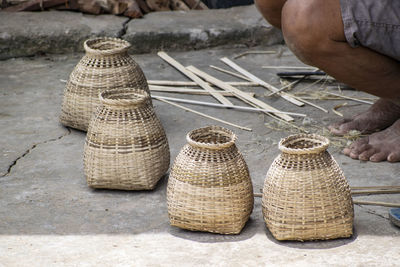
[
  {"x": 394, "y": 157},
  {"x": 377, "y": 157},
  {"x": 361, "y": 148},
  {"x": 367, "y": 154},
  {"x": 352, "y": 150},
  {"x": 340, "y": 128}
]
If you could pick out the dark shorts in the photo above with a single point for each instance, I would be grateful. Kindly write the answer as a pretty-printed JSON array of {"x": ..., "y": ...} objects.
[{"x": 374, "y": 24}]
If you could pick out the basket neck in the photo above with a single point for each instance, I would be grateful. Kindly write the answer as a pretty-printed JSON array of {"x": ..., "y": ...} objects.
[
  {"x": 211, "y": 137},
  {"x": 105, "y": 46},
  {"x": 124, "y": 98},
  {"x": 304, "y": 144}
]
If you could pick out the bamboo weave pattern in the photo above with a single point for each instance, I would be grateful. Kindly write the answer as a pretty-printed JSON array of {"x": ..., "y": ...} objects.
[
  {"x": 126, "y": 146},
  {"x": 305, "y": 195},
  {"x": 106, "y": 65},
  {"x": 209, "y": 188}
]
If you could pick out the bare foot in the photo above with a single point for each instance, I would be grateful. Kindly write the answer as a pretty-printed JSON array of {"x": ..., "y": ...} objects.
[
  {"x": 384, "y": 145},
  {"x": 379, "y": 116}
]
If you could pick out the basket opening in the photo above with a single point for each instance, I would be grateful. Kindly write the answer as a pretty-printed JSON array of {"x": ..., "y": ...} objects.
[
  {"x": 106, "y": 45},
  {"x": 304, "y": 143},
  {"x": 211, "y": 137},
  {"x": 123, "y": 96}
]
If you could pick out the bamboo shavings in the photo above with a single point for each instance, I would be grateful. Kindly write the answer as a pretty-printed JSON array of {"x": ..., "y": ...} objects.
[
  {"x": 195, "y": 102},
  {"x": 350, "y": 98},
  {"x": 204, "y": 115},
  {"x": 253, "y": 52},
  {"x": 194, "y": 78},
  {"x": 186, "y": 90},
  {"x": 232, "y": 73},
  {"x": 335, "y": 108},
  {"x": 261, "y": 82},
  {"x": 185, "y": 83},
  {"x": 237, "y": 92}
]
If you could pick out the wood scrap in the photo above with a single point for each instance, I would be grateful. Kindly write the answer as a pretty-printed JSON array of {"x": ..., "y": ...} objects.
[
  {"x": 194, "y": 78},
  {"x": 179, "y": 5},
  {"x": 239, "y": 93},
  {"x": 159, "y": 5},
  {"x": 33, "y": 5},
  {"x": 261, "y": 82},
  {"x": 350, "y": 98},
  {"x": 253, "y": 52},
  {"x": 376, "y": 203},
  {"x": 195, "y": 4},
  {"x": 204, "y": 115},
  {"x": 232, "y": 73}
]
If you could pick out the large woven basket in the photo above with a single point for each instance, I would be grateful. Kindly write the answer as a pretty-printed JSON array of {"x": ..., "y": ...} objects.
[
  {"x": 305, "y": 195},
  {"x": 126, "y": 146},
  {"x": 106, "y": 65},
  {"x": 209, "y": 187}
]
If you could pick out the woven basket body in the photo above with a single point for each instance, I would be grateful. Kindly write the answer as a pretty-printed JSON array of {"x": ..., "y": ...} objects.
[
  {"x": 106, "y": 65},
  {"x": 209, "y": 187},
  {"x": 126, "y": 146},
  {"x": 305, "y": 195}
]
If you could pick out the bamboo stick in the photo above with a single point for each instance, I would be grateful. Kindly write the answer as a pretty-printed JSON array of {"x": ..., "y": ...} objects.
[
  {"x": 204, "y": 115},
  {"x": 238, "y": 93},
  {"x": 290, "y": 67},
  {"x": 185, "y": 90},
  {"x": 386, "y": 191},
  {"x": 376, "y": 203},
  {"x": 350, "y": 98},
  {"x": 193, "y": 77},
  {"x": 375, "y": 187},
  {"x": 261, "y": 82},
  {"x": 185, "y": 83},
  {"x": 286, "y": 86},
  {"x": 253, "y": 52},
  {"x": 195, "y": 102},
  {"x": 232, "y": 73}
]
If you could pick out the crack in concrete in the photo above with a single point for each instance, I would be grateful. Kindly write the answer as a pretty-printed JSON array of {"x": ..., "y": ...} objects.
[
  {"x": 122, "y": 32},
  {"x": 31, "y": 148},
  {"x": 369, "y": 211}
]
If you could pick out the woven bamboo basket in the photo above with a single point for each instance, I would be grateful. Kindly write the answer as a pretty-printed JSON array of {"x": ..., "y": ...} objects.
[
  {"x": 126, "y": 146},
  {"x": 305, "y": 195},
  {"x": 106, "y": 65},
  {"x": 209, "y": 187}
]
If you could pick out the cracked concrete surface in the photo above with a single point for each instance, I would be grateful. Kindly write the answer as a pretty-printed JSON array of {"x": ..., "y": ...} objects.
[
  {"x": 50, "y": 217},
  {"x": 30, "y": 33}
]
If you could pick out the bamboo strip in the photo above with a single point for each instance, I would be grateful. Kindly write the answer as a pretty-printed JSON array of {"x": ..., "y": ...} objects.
[
  {"x": 290, "y": 67},
  {"x": 350, "y": 98},
  {"x": 188, "y": 101},
  {"x": 261, "y": 82},
  {"x": 193, "y": 77},
  {"x": 232, "y": 73},
  {"x": 185, "y": 83},
  {"x": 387, "y": 191},
  {"x": 238, "y": 93},
  {"x": 185, "y": 90},
  {"x": 375, "y": 187},
  {"x": 254, "y": 52},
  {"x": 311, "y": 104},
  {"x": 205, "y": 115},
  {"x": 376, "y": 203},
  {"x": 286, "y": 86}
]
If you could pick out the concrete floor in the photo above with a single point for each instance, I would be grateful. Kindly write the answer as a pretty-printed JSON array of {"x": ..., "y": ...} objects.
[{"x": 48, "y": 215}]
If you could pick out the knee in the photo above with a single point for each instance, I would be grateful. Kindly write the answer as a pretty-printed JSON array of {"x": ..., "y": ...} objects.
[
  {"x": 303, "y": 29},
  {"x": 271, "y": 10}
]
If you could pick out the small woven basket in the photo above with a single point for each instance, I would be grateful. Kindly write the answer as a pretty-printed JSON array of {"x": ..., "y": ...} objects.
[
  {"x": 209, "y": 187},
  {"x": 126, "y": 146},
  {"x": 106, "y": 65},
  {"x": 305, "y": 195}
]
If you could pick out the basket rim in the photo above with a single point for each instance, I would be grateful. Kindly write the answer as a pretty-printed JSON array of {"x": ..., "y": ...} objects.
[
  {"x": 212, "y": 129},
  {"x": 322, "y": 146},
  {"x": 123, "y": 46},
  {"x": 141, "y": 97}
]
